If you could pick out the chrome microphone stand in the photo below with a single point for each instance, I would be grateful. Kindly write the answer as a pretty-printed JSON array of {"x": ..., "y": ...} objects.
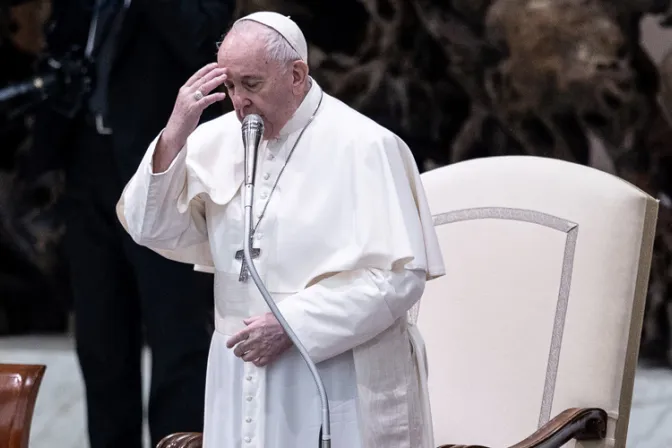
[{"x": 253, "y": 130}]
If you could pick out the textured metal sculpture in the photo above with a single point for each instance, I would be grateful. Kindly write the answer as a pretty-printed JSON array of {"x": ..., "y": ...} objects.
[
  {"x": 460, "y": 79},
  {"x": 472, "y": 78}
]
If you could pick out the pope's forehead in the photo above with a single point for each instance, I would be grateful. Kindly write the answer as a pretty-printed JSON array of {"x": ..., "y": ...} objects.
[{"x": 242, "y": 48}]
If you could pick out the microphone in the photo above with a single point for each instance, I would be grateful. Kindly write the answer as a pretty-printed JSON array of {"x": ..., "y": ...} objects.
[{"x": 253, "y": 129}]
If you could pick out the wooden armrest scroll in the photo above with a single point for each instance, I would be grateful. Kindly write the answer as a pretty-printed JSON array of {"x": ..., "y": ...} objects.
[
  {"x": 182, "y": 440},
  {"x": 575, "y": 423},
  {"x": 19, "y": 386}
]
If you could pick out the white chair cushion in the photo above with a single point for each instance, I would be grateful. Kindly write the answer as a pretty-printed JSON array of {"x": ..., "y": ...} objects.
[{"x": 541, "y": 307}]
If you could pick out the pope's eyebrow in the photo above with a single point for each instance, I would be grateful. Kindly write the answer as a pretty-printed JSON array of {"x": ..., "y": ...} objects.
[{"x": 245, "y": 78}]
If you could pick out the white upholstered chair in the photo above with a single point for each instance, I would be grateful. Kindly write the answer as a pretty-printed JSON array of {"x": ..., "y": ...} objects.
[{"x": 534, "y": 331}]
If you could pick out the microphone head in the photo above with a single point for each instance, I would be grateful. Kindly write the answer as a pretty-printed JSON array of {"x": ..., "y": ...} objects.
[
  {"x": 252, "y": 118},
  {"x": 252, "y": 130},
  {"x": 252, "y": 124}
]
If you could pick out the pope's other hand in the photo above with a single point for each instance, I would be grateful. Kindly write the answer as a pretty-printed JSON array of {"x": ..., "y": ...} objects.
[
  {"x": 192, "y": 99},
  {"x": 261, "y": 342}
]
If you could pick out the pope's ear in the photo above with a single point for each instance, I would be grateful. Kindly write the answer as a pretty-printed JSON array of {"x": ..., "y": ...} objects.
[{"x": 299, "y": 74}]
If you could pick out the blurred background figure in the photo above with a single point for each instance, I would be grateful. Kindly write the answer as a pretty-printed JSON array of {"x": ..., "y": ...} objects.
[
  {"x": 33, "y": 295},
  {"x": 137, "y": 54}
]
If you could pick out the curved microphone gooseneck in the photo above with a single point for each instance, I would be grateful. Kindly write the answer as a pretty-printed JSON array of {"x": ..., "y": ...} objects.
[{"x": 253, "y": 130}]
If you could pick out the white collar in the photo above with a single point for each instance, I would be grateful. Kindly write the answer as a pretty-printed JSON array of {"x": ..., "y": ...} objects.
[{"x": 305, "y": 110}]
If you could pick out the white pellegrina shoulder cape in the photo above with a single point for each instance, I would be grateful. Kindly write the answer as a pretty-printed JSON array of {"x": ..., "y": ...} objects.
[{"x": 360, "y": 201}]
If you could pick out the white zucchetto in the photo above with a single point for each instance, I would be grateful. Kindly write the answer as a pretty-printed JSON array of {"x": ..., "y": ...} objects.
[{"x": 283, "y": 25}]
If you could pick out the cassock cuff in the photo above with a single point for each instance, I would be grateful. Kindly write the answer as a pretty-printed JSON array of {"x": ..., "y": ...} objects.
[
  {"x": 168, "y": 185},
  {"x": 346, "y": 310},
  {"x": 178, "y": 161},
  {"x": 161, "y": 190}
]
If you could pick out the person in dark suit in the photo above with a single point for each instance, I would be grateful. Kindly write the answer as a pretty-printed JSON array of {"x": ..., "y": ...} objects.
[{"x": 123, "y": 294}]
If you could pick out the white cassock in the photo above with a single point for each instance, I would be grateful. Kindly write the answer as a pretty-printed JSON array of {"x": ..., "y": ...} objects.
[{"x": 347, "y": 243}]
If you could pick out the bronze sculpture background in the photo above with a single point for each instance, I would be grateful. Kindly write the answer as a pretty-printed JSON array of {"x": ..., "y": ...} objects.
[{"x": 459, "y": 79}]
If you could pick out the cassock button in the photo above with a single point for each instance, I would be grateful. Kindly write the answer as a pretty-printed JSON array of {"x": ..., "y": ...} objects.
[
  {"x": 248, "y": 377},
  {"x": 248, "y": 440},
  {"x": 263, "y": 195},
  {"x": 267, "y": 176},
  {"x": 248, "y": 419},
  {"x": 271, "y": 157},
  {"x": 249, "y": 398}
]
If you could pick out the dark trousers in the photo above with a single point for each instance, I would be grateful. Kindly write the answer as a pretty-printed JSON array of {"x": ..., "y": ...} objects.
[{"x": 124, "y": 295}]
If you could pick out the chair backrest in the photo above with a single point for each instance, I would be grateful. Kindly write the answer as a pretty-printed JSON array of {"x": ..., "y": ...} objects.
[
  {"x": 19, "y": 385},
  {"x": 541, "y": 308}
]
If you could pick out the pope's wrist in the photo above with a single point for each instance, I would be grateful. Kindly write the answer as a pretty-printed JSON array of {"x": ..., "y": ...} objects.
[{"x": 169, "y": 143}]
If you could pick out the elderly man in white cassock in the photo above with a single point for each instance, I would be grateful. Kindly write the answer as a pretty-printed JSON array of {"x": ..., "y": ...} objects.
[{"x": 343, "y": 241}]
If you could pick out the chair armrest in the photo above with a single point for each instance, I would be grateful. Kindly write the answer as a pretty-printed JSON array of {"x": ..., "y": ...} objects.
[
  {"x": 182, "y": 440},
  {"x": 575, "y": 423}
]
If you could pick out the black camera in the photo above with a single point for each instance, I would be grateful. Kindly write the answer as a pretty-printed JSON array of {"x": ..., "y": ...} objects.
[{"x": 64, "y": 81}]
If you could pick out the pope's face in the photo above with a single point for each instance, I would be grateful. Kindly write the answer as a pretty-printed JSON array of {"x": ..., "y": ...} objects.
[{"x": 257, "y": 84}]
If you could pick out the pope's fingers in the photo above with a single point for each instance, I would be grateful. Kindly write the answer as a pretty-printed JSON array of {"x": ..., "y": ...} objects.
[
  {"x": 250, "y": 356},
  {"x": 241, "y": 336},
  {"x": 199, "y": 74},
  {"x": 212, "y": 74},
  {"x": 242, "y": 348},
  {"x": 211, "y": 99},
  {"x": 239, "y": 350},
  {"x": 212, "y": 84},
  {"x": 263, "y": 361}
]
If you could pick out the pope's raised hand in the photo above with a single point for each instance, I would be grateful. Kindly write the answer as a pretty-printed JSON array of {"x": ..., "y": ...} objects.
[
  {"x": 194, "y": 96},
  {"x": 261, "y": 342}
]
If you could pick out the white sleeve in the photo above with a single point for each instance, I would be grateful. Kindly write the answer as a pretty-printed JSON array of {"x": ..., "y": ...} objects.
[
  {"x": 150, "y": 207},
  {"x": 343, "y": 311}
]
